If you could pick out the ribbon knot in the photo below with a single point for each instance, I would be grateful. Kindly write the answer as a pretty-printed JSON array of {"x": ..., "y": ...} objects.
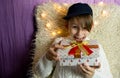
[{"x": 79, "y": 47}]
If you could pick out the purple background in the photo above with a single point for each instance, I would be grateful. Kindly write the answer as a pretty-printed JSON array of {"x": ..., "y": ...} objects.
[{"x": 16, "y": 31}]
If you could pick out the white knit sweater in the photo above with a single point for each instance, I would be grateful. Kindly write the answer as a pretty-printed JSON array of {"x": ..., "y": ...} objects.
[{"x": 46, "y": 67}]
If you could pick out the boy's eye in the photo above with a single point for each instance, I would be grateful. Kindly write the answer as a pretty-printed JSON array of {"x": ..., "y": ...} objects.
[
  {"x": 74, "y": 26},
  {"x": 84, "y": 27}
]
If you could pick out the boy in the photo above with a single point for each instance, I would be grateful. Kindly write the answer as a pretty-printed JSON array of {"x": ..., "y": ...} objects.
[{"x": 80, "y": 22}]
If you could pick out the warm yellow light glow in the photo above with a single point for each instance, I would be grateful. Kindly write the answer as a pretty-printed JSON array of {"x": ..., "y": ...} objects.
[
  {"x": 38, "y": 18},
  {"x": 65, "y": 4},
  {"x": 59, "y": 32},
  {"x": 59, "y": 7},
  {"x": 101, "y": 4},
  {"x": 48, "y": 25},
  {"x": 43, "y": 15},
  {"x": 104, "y": 13},
  {"x": 54, "y": 33},
  {"x": 95, "y": 23},
  {"x": 56, "y": 5}
]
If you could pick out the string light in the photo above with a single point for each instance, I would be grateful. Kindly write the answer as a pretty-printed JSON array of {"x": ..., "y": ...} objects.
[
  {"x": 61, "y": 10},
  {"x": 54, "y": 33},
  {"x": 48, "y": 25},
  {"x": 101, "y": 4},
  {"x": 95, "y": 23},
  {"x": 38, "y": 18},
  {"x": 59, "y": 32},
  {"x": 65, "y": 4},
  {"x": 59, "y": 7},
  {"x": 56, "y": 6},
  {"x": 104, "y": 13},
  {"x": 43, "y": 15}
]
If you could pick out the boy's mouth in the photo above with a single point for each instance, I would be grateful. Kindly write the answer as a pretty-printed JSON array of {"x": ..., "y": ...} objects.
[{"x": 79, "y": 39}]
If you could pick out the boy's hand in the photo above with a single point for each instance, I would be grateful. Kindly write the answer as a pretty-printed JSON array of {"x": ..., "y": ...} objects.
[
  {"x": 87, "y": 70},
  {"x": 52, "y": 54}
]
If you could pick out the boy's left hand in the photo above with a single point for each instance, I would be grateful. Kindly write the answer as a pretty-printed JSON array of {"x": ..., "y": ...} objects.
[{"x": 87, "y": 70}]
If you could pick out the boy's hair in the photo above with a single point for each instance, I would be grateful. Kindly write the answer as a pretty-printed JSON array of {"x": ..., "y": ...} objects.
[{"x": 85, "y": 21}]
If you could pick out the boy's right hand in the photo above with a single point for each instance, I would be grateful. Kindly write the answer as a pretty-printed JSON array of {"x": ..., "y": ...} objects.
[{"x": 52, "y": 54}]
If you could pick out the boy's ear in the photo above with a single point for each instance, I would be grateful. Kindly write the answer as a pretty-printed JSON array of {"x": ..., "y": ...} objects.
[{"x": 92, "y": 27}]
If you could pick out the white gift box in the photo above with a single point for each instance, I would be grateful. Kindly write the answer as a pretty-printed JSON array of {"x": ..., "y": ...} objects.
[{"x": 70, "y": 60}]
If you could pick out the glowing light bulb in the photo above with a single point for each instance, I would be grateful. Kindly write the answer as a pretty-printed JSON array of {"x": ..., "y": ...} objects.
[
  {"x": 53, "y": 33},
  {"x": 101, "y": 4},
  {"x": 65, "y": 4},
  {"x": 59, "y": 32},
  {"x": 56, "y": 6},
  {"x": 38, "y": 18},
  {"x": 48, "y": 25},
  {"x": 43, "y": 15},
  {"x": 95, "y": 22},
  {"x": 104, "y": 13},
  {"x": 59, "y": 7}
]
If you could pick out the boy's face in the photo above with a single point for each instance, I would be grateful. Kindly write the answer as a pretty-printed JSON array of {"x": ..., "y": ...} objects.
[{"x": 77, "y": 31}]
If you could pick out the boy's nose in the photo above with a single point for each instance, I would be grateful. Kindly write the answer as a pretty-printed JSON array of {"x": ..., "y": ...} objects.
[{"x": 80, "y": 33}]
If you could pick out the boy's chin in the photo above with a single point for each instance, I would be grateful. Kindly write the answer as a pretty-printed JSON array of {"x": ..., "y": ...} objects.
[{"x": 79, "y": 40}]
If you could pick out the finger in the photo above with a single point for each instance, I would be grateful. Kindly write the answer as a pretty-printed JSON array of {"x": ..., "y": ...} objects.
[
  {"x": 58, "y": 46},
  {"x": 96, "y": 67},
  {"x": 48, "y": 56},
  {"x": 87, "y": 67},
  {"x": 85, "y": 70},
  {"x": 55, "y": 58},
  {"x": 51, "y": 57},
  {"x": 52, "y": 52},
  {"x": 80, "y": 69}
]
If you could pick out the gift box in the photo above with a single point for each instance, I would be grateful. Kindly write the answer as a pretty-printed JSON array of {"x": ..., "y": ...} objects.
[{"x": 75, "y": 53}]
